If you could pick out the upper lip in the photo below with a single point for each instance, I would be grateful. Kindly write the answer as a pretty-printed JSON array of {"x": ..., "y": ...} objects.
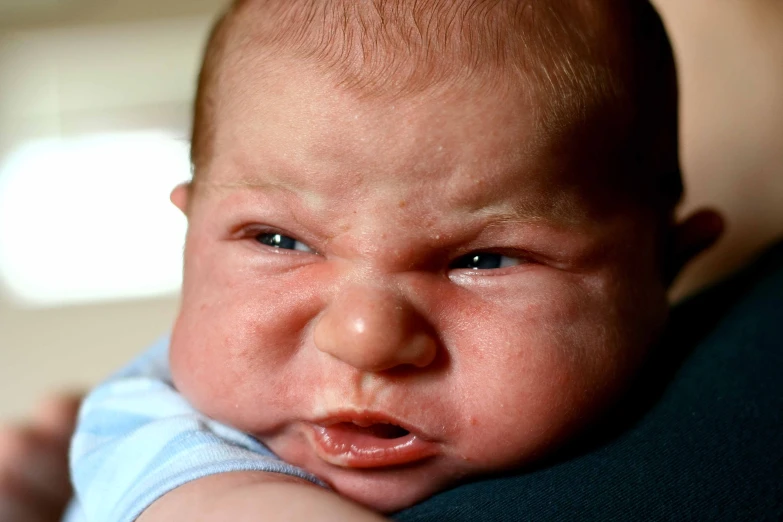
[{"x": 365, "y": 418}]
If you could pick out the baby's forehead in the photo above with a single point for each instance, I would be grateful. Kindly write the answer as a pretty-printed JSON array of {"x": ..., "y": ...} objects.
[
  {"x": 570, "y": 54},
  {"x": 470, "y": 152},
  {"x": 575, "y": 62}
]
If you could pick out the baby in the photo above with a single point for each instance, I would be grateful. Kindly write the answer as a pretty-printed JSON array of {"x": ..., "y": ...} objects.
[{"x": 428, "y": 241}]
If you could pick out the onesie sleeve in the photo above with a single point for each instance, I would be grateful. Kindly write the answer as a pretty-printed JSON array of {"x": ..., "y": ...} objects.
[{"x": 137, "y": 439}]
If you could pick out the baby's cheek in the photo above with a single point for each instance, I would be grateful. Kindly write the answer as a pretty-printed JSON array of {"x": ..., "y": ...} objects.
[
  {"x": 232, "y": 348},
  {"x": 542, "y": 369}
]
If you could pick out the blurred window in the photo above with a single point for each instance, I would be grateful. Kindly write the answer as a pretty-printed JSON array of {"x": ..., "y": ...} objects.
[{"x": 88, "y": 218}]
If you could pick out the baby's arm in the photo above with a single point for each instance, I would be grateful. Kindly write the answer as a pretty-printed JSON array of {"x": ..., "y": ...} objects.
[
  {"x": 138, "y": 443},
  {"x": 253, "y": 496}
]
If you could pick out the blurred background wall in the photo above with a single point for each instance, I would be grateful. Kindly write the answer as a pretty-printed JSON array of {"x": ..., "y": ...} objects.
[
  {"x": 94, "y": 116},
  {"x": 117, "y": 76}
]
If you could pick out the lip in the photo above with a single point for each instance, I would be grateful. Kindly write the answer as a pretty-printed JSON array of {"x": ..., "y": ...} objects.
[{"x": 337, "y": 442}]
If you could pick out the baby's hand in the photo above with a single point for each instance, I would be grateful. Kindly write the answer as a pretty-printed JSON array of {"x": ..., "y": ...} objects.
[{"x": 34, "y": 484}]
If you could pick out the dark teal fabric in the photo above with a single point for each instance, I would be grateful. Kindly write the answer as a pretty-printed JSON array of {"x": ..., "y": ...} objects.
[{"x": 699, "y": 437}]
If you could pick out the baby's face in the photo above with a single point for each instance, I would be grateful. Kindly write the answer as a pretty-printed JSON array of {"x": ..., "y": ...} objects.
[{"x": 396, "y": 296}]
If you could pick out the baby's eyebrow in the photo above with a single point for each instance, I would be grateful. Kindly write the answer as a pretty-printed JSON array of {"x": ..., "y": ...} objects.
[
  {"x": 561, "y": 210},
  {"x": 263, "y": 185},
  {"x": 246, "y": 183}
]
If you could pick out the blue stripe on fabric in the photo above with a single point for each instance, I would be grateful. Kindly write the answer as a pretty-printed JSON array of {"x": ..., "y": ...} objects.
[
  {"x": 103, "y": 422},
  {"x": 187, "y": 441}
]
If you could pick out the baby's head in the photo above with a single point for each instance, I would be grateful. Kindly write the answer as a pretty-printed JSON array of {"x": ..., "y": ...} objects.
[{"x": 427, "y": 240}]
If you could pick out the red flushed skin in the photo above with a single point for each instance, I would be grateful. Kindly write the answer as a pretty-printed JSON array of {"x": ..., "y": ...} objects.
[{"x": 375, "y": 311}]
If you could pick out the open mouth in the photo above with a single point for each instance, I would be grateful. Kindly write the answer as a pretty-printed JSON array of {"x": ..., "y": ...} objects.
[
  {"x": 368, "y": 443},
  {"x": 378, "y": 430}
]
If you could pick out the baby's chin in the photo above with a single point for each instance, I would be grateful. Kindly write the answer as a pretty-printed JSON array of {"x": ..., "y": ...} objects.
[
  {"x": 389, "y": 490},
  {"x": 384, "y": 488}
]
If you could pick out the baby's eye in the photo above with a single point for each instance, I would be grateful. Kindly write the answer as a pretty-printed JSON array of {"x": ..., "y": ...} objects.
[
  {"x": 485, "y": 261},
  {"x": 283, "y": 242}
]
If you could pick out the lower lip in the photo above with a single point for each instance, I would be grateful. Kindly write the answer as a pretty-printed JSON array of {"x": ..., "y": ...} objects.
[{"x": 348, "y": 448}]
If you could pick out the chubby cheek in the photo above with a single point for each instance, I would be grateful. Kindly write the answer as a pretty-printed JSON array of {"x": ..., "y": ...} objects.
[
  {"x": 537, "y": 364},
  {"x": 237, "y": 338}
]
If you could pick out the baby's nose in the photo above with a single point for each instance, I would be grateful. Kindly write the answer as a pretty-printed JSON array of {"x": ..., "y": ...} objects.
[{"x": 374, "y": 329}]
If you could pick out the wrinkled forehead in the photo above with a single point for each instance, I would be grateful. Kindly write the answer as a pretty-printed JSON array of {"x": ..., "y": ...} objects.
[
  {"x": 570, "y": 57},
  {"x": 571, "y": 64},
  {"x": 467, "y": 152}
]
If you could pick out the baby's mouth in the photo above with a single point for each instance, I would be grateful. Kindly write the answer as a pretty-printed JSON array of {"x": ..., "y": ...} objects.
[
  {"x": 368, "y": 443},
  {"x": 378, "y": 430}
]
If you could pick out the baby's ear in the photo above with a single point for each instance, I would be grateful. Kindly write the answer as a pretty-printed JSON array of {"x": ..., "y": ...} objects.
[
  {"x": 180, "y": 196},
  {"x": 690, "y": 237}
]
